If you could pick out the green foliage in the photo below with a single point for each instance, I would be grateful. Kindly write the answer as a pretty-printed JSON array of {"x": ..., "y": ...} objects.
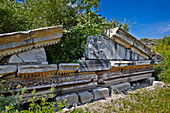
[
  {"x": 8, "y": 105},
  {"x": 162, "y": 70},
  {"x": 78, "y": 17},
  {"x": 12, "y": 102}
]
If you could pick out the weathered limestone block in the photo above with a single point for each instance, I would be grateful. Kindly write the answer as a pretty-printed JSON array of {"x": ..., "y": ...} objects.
[
  {"x": 90, "y": 76},
  {"x": 139, "y": 77},
  {"x": 127, "y": 40},
  {"x": 99, "y": 48},
  {"x": 70, "y": 99},
  {"x": 14, "y": 59},
  {"x": 15, "y": 42},
  {"x": 46, "y": 36},
  {"x": 32, "y": 56},
  {"x": 85, "y": 97},
  {"x": 142, "y": 62},
  {"x": 68, "y": 68},
  {"x": 119, "y": 87},
  {"x": 7, "y": 69},
  {"x": 120, "y": 52},
  {"x": 94, "y": 65},
  {"x": 36, "y": 70},
  {"x": 76, "y": 88},
  {"x": 120, "y": 63},
  {"x": 100, "y": 93},
  {"x": 158, "y": 84}
]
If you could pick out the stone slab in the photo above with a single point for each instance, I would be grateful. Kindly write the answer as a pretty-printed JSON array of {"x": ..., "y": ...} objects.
[
  {"x": 85, "y": 97},
  {"x": 68, "y": 68},
  {"x": 100, "y": 93},
  {"x": 31, "y": 56},
  {"x": 94, "y": 65},
  {"x": 36, "y": 70},
  {"x": 77, "y": 88},
  {"x": 70, "y": 99},
  {"x": 7, "y": 69},
  {"x": 119, "y": 87},
  {"x": 34, "y": 55}
]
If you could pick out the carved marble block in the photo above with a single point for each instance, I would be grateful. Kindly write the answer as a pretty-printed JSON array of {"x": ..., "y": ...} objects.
[{"x": 36, "y": 70}]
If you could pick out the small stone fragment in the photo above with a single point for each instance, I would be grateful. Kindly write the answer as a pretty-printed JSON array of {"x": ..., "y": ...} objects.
[{"x": 158, "y": 84}]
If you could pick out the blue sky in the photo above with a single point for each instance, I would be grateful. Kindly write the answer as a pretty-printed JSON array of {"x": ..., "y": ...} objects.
[{"x": 149, "y": 18}]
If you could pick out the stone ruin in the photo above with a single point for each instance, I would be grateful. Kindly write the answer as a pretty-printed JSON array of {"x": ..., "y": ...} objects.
[{"x": 110, "y": 64}]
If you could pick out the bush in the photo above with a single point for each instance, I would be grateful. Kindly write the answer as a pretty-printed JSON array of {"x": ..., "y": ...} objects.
[{"x": 162, "y": 70}]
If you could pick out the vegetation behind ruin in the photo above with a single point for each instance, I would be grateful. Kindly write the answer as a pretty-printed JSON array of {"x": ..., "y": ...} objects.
[
  {"x": 161, "y": 46},
  {"x": 78, "y": 17}
]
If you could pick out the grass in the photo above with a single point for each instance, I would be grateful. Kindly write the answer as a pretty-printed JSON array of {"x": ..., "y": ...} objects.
[{"x": 142, "y": 101}]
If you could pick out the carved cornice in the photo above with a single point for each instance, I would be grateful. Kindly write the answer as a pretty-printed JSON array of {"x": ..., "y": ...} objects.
[
  {"x": 16, "y": 42},
  {"x": 125, "y": 39}
]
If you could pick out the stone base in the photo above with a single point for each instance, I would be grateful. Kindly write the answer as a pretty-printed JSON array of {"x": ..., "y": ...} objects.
[
  {"x": 69, "y": 99},
  {"x": 85, "y": 97},
  {"x": 119, "y": 87},
  {"x": 100, "y": 93}
]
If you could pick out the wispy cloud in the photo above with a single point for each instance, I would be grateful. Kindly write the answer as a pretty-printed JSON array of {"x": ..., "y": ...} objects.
[{"x": 166, "y": 29}]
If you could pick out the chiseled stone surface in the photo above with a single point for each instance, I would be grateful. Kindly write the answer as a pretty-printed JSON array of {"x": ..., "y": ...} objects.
[
  {"x": 31, "y": 56},
  {"x": 36, "y": 69},
  {"x": 100, "y": 93},
  {"x": 100, "y": 48},
  {"x": 119, "y": 87},
  {"x": 34, "y": 55},
  {"x": 85, "y": 97},
  {"x": 70, "y": 99},
  {"x": 14, "y": 59},
  {"x": 7, "y": 69},
  {"x": 94, "y": 65}
]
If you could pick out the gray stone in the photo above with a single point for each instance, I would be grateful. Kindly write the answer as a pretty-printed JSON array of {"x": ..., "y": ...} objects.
[
  {"x": 85, "y": 97},
  {"x": 119, "y": 87},
  {"x": 34, "y": 55},
  {"x": 100, "y": 93},
  {"x": 94, "y": 65},
  {"x": 73, "y": 88},
  {"x": 99, "y": 48},
  {"x": 149, "y": 81},
  {"x": 14, "y": 59},
  {"x": 68, "y": 68},
  {"x": 158, "y": 84},
  {"x": 34, "y": 70},
  {"x": 7, "y": 69},
  {"x": 70, "y": 99}
]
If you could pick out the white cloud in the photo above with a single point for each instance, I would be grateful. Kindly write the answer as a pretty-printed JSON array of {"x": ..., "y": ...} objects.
[{"x": 166, "y": 29}]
